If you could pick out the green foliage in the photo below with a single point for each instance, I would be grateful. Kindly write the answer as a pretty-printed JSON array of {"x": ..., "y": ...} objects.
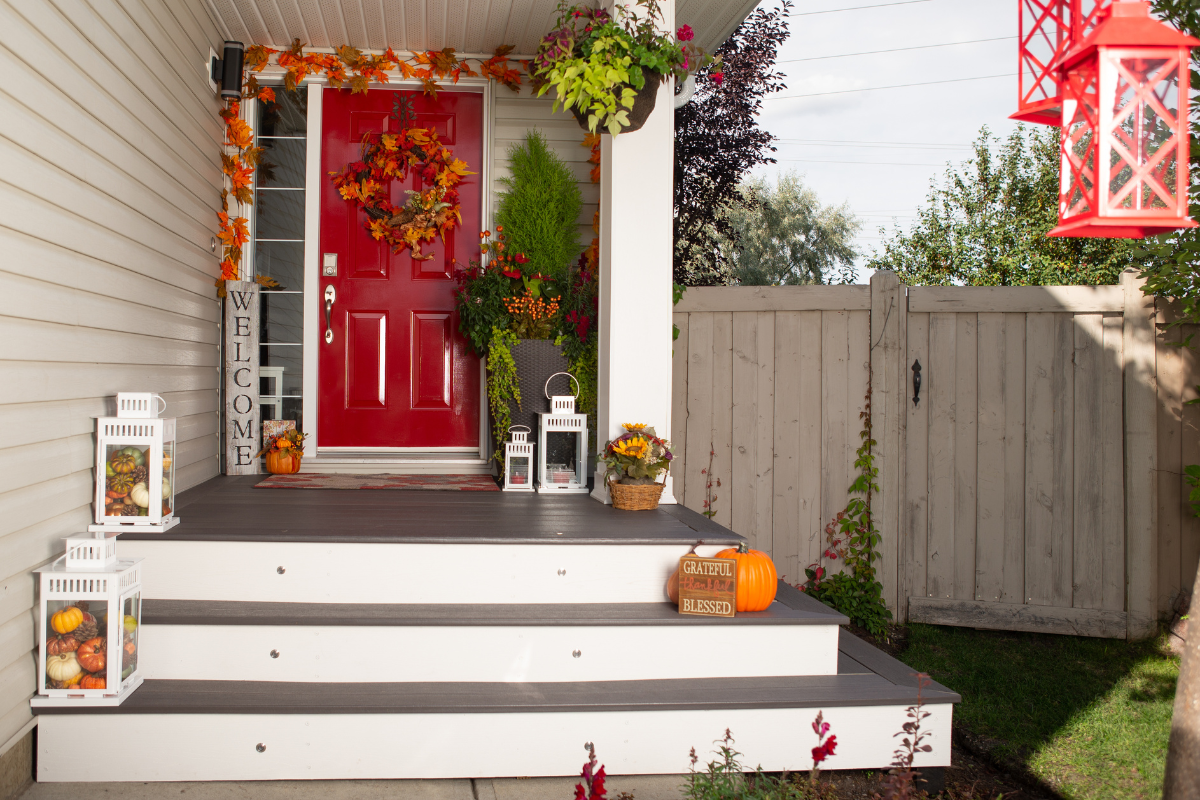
[
  {"x": 480, "y": 303},
  {"x": 1191, "y": 474},
  {"x": 595, "y": 62},
  {"x": 782, "y": 235},
  {"x": 852, "y": 536},
  {"x": 987, "y": 225},
  {"x": 503, "y": 388},
  {"x": 725, "y": 778},
  {"x": 1175, "y": 269},
  {"x": 539, "y": 209},
  {"x": 585, "y": 366}
]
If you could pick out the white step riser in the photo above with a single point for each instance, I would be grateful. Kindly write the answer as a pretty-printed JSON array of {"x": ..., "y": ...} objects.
[
  {"x": 486, "y": 654},
  {"x": 204, "y": 747},
  {"x": 405, "y": 573}
]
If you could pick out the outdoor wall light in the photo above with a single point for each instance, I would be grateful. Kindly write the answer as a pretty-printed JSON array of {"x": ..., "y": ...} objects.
[{"x": 227, "y": 71}]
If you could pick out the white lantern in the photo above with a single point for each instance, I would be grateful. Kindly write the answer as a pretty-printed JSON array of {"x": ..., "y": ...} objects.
[
  {"x": 518, "y": 461},
  {"x": 90, "y": 605},
  {"x": 562, "y": 443},
  {"x": 135, "y": 467}
]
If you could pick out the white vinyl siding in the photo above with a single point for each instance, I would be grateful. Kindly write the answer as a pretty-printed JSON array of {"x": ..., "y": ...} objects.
[{"x": 109, "y": 186}]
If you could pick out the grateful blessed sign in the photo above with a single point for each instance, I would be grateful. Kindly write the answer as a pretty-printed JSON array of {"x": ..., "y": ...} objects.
[{"x": 707, "y": 586}]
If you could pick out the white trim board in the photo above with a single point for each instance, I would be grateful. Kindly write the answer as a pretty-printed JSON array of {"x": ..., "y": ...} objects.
[
  {"x": 212, "y": 747},
  {"x": 486, "y": 654}
]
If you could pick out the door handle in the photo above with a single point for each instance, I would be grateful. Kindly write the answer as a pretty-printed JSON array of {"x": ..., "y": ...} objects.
[
  {"x": 330, "y": 296},
  {"x": 916, "y": 380}
]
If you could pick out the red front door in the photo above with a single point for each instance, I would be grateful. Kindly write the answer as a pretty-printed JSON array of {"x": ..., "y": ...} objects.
[{"x": 397, "y": 373}]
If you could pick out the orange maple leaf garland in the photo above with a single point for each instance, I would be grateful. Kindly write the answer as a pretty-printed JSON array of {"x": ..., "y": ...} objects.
[{"x": 426, "y": 214}]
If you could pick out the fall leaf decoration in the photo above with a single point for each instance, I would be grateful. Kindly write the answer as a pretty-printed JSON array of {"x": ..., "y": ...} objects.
[
  {"x": 592, "y": 141},
  {"x": 426, "y": 214},
  {"x": 394, "y": 156}
]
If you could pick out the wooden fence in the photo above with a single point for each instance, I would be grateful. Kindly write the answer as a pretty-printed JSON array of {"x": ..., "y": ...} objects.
[{"x": 1035, "y": 483}]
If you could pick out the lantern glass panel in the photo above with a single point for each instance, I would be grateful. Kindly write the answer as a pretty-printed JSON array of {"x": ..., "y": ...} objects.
[
  {"x": 518, "y": 470},
  {"x": 131, "y": 625},
  {"x": 76, "y": 645},
  {"x": 562, "y": 453},
  {"x": 1145, "y": 115},
  {"x": 126, "y": 468},
  {"x": 1079, "y": 140},
  {"x": 168, "y": 487}
]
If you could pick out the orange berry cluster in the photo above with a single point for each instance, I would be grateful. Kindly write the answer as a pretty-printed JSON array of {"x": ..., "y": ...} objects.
[{"x": 535, "y": 308}]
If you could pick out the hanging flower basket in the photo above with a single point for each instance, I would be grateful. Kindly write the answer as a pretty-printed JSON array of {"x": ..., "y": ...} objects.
[{"x": 643, "y": 106}]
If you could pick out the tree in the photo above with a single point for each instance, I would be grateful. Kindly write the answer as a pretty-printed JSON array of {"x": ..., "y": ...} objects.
[
  {"x": 782, "y": 235},
  {"x": 987, "y": 224},
  {"x": 718, "y": 141},
  {"x": 539, "y": 208}
]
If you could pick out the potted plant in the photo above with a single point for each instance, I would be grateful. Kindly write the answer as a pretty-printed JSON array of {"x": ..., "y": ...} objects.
[
  {"x": 633, "y": 463},
  {"x": 606, "y": 68},
  {"x": 284, "y": 452}
]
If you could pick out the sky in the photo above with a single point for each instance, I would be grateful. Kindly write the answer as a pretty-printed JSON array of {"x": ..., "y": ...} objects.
[{"x": 878, "y": 150}]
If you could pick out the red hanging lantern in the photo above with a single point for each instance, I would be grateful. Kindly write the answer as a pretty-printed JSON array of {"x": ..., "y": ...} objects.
[
  {"x": 1048, "y": 31},
  {"x": 1125, "y": 128}
]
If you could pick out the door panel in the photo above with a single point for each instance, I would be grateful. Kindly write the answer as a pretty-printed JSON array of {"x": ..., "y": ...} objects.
[{"x": 398, "y": 373}]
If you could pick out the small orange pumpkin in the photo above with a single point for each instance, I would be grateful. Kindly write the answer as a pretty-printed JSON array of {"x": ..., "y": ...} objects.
[
  {"x": 757, "y": 580},
  {"x": 93, "y": 682},
  {"x": 282, "y": 462},
  {"x": 92, "y": 655},
  {"x": 66, "y": 620}
]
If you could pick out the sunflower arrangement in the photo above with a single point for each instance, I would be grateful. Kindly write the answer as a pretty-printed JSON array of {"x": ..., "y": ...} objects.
[{"x": 637, "y": 456}]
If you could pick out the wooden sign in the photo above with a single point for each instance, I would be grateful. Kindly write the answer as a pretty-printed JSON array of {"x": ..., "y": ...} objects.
[
  {"x": 707, "y": 586},
  {"x": 242, "y": 412}
]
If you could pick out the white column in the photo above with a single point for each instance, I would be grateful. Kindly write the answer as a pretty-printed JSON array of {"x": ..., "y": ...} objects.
[{"x": 636, "y": 209}]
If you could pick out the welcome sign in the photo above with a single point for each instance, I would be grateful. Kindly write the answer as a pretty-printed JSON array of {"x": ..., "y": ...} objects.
[
  {"x": 707, "y": 586},
  {"x": 242, "y": 412}
]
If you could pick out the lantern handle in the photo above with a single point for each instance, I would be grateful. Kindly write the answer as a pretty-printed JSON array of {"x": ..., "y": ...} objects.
[
  {"x": 513, "y": 428},
  {"x": 546, "y": 390}
]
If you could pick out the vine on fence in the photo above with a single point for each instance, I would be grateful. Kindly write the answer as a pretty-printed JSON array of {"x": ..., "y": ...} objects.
[{"x": 852, "y": 537}]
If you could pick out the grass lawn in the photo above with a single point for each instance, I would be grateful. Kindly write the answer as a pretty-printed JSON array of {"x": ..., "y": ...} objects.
[{"x": 1089, "y": 717}]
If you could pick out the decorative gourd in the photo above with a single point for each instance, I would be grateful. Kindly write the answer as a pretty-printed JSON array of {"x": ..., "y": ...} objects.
[
  {"x": 166, "y": 462},
  {"x": 66, "y": 620},
  {"x": 140, "y": 495},
  {"x": 166, "y": 489},
  {"x": 282, "y": 462},
  {"x": 122, "y": 462},
  {"x": 68, "y": 684},
  {"x": 93, "y": 682},
  {"x": 120, "y": 484},
  {"x": 139, "y": 455},
  {"x": 757, "y": 580},
  {"x": 91, "y": 655},
  {"x": 673, "y": 587},
  {"x": 59, "y": 645},
  {"x": 62, "y": 668}
]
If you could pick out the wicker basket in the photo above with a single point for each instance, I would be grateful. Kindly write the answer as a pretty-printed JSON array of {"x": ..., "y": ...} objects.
[{"x": 634, "y": 497}]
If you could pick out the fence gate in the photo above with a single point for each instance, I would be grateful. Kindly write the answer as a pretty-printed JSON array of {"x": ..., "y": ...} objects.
[{"x": 1014, "y": 466}]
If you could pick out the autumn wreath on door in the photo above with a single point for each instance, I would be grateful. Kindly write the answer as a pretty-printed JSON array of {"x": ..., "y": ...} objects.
[{"x": 412, "y": 150}]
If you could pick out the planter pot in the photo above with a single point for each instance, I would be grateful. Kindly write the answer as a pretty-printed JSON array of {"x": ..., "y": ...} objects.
[
  {"x": 281, "y": 463},
  {"x": 643, "y": 104},
  {"x": 635, "y": 497}
]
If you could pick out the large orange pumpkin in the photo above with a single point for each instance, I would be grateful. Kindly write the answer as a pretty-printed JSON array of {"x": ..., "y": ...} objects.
[
  {"x": 66, "y": 620},
  {"x": 92, "y": 655},
  {"x": 282, "y": 462},
  {"x": 757, "y": 580}
]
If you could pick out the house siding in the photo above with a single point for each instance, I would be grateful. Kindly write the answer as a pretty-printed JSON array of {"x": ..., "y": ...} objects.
[
  {"x": 109, "y": 185},
  {"x": 515, "y": 115}
]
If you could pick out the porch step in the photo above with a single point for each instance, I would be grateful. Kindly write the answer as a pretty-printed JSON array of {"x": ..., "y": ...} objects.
[
  {"x": 482, "y": 643},
  {"x": 248, "y": 730}
]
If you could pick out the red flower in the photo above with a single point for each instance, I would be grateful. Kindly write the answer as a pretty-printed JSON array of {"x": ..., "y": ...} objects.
[
  {"x": 685, "y": 33},
  {"x": 831, "y": 554},
  {"x": 717, "y": 77},
  {"x": 521, "y": 258},
  {"x": 824, "y": 751},
  {"x": 512, "y": 273}
]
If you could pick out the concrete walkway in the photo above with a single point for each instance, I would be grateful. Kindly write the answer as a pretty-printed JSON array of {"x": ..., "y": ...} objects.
[{"x": 642, "y": 787}]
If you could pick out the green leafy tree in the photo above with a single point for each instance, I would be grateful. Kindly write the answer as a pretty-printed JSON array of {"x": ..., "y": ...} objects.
[
  {"x": 986, "y": 225},
  {"x": 539, "y": 209},
  {"x": 782, "y": 235}
]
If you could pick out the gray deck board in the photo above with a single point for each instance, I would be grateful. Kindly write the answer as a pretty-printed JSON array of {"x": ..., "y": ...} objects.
[
  {"x": 271, "y": 697},
  {"x": 229, "y": 508}
]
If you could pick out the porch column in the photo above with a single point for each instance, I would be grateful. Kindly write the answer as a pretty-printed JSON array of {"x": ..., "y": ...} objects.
[{"x": 636, "y": 212}]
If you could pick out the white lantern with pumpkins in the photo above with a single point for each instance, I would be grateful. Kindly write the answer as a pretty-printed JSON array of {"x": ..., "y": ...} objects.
[{"x": 135, "y": 467}]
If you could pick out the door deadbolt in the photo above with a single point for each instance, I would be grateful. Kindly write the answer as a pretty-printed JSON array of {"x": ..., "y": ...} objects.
[{"x": 329, "y": 265}]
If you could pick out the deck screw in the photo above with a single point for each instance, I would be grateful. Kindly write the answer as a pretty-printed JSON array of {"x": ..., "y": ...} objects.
[
  {"x": 576, "y": 653},
  {"x": 562, "y": 572},
  {"x": 260, "y": 747},
  {"x": 280, "y": 570},
  {"x": 274, "y": 654}
]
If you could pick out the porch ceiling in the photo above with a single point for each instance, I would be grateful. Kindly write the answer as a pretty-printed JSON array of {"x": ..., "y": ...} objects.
[{"x": 469, "y": 26}]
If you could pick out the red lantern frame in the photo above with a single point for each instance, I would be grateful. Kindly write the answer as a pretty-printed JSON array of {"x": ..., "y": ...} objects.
[
  {"x": 1124, "y": 124},
  {"x": 1048, "y": 31}
]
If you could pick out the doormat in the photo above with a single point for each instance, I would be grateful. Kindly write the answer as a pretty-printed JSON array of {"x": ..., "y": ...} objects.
[{"x": 444, "y": 483}]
